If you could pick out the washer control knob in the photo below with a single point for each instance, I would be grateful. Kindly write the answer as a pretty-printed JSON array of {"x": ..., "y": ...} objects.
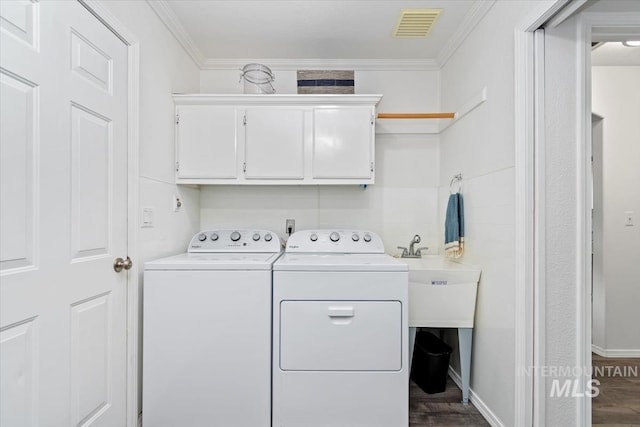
[
  {"x": 256, "y": 237},
  {"x": 214, "y": 236},
  {"x": 334, "y": 236},
  {"x": 268, "y": 237},
  {"x": 313, "y": 237},
  {"x": 355, "y": 237},
  {"x": 235, "y": 236},
  {"x": 367, "y": 237},
  {"x": 202, "y": 237}
]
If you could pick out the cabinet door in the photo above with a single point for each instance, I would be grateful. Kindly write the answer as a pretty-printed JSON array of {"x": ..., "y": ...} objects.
[
  {"x": 274, "y": 143},
  {"x": 206, "y": 142},
  {"x": 343, "y": 143}
]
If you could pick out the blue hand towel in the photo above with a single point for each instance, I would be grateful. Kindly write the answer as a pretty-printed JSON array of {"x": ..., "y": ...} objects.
[{"x": 454, "y": 227}]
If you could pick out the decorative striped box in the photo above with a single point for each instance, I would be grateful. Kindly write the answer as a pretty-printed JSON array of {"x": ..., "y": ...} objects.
[{"x": 325, "y": 81}]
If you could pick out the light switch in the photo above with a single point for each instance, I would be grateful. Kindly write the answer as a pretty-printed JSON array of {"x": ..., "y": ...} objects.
[
  {"x": 628, "y": 218},
  {"x": 147, "y": 217}
]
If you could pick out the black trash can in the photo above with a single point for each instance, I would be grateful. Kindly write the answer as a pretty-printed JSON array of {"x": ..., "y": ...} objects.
[{"x": 430, "y": 363}]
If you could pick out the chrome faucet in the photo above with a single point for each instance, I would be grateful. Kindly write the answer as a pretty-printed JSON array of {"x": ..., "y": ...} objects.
[{"x": 412, "y": 253}]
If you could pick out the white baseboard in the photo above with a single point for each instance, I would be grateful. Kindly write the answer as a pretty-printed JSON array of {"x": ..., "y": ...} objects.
[
  {"x": 598, "y": 350},
  {"x": 616, "y": 353},
  {"x": 482, "y": 407}
]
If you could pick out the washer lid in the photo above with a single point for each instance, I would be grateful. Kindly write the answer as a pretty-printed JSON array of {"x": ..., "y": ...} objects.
[
  {"x": 339, "y": 262},
  {"x": 214, "y": 261}
]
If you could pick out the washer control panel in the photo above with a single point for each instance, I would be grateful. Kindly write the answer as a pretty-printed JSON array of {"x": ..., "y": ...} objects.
[
  {"x": 235, "y": 241},
  {"x": 335, "y": 241}
]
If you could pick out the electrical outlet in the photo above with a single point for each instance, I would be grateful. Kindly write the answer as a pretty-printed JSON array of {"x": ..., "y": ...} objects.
[
  {"x": 176, "y": 203},
  {"x": 290, "y": 226}
]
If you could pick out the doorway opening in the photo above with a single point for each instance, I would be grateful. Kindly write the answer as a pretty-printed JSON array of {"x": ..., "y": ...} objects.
[{"x": 615, "y": 136}]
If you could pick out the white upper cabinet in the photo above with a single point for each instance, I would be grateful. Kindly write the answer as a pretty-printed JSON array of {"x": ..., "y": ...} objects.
[
  {"x": 275, "y": 139},
  {"x": 206, "y": 142},
  {"x": 274, "y": 143},
  {"x": 343, "y": 142}
]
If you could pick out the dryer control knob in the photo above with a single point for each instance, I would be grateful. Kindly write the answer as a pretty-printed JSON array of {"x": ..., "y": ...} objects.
[
  {"x": 355, "y": 237},
  {"x": 256, "y": 237},
  {"x": 235, "y": 236},
  {"x": 214, "y": 236},
  {"x": 334, "y": 237},
  {"x": 268, "y": 237},
  {"x": 313, "y": 237},
  {"x": 367, "y": 237},
  {"x": 202, "y": 237}
]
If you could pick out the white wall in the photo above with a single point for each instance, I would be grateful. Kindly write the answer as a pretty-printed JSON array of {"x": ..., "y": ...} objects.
[
  {"x": 561, "y": 215},
  {"x": 564, "y": 212},
  {"x": 481, "y": 147},
  {"x": 164, "y": 68},
  {"x": 400, "y": 204},
  {"x": 616, "y": 97}
]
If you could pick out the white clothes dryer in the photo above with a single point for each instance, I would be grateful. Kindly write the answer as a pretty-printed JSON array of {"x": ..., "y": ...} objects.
[
  {"x": 340, "y": 332},
  {"x": 207, "y": 332}
]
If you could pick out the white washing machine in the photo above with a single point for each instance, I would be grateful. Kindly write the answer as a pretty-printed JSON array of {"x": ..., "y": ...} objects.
[
  {"x": 207, "y": 332},
  {"x": 340, "y": 332}
]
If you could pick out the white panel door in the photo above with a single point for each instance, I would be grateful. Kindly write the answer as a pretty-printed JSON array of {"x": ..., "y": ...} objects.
[
  {"x": 343, "y": 142},
  {"x": 207, "y": 143},
  {"x": 274, "y": 143},
  {"x": 63, "y": 80}
]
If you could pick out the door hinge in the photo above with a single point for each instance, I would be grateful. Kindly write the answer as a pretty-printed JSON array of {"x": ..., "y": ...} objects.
[
  {"x": 177, "y": 119},
  {"x": 371, "y": 166},
  {"x": 244, "y": 120},
  {"x": 177, "y": 166},
  {"x": 372, "y": 119},
  {"x": 244, "y": 167}
]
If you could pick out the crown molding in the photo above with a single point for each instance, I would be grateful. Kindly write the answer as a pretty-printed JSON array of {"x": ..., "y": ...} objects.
[
  {"x": 475, "y": 14},
  {"x": 171, "y": 21},
  {"x": 328, "y": 64},
  {"x": 168, "y": 17}
]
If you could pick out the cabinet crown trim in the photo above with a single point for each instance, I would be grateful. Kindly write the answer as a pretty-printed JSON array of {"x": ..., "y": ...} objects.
[{"x": 276, "y": 99}]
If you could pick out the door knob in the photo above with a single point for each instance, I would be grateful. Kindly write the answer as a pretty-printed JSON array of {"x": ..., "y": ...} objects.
[{"x": 119, "y": 264}]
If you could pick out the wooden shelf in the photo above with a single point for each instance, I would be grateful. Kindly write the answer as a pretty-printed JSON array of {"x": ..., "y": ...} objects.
[{"x": 416, "y": 115}]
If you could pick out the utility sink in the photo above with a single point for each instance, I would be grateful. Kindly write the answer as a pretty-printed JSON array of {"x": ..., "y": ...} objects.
[{"x": 442, "y": 293}]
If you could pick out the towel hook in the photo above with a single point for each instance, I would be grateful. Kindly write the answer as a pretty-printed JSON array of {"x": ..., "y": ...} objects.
[{"x": 456, "y": 179}]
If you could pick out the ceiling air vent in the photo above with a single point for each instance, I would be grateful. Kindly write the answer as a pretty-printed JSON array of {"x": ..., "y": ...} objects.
[{"x": 416, "y": 22}]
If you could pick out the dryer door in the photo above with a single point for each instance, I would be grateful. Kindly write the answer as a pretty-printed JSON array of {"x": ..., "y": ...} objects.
[{"x": 340, "y": 335}]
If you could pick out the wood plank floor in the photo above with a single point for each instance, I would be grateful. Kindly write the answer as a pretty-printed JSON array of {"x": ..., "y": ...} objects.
[
  {"x": 618, "y": 404},
  {"x": 442, "y": 409}
]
